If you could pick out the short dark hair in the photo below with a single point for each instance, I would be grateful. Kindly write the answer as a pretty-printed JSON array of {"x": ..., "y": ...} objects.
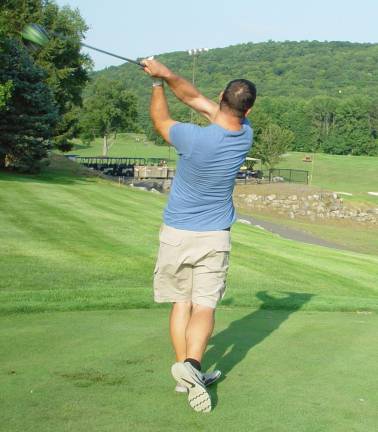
[{"x": 239, "y": 96}]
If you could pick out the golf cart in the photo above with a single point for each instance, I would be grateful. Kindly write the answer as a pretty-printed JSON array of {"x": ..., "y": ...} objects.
[{"x": 247, "y": 171}]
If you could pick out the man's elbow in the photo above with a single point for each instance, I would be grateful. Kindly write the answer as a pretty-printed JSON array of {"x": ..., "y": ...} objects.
[{"x": 162, "y": 127}]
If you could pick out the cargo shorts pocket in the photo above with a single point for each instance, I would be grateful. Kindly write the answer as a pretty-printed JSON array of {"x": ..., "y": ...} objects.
[
  {"x": 169, "y": 238},
  {"x": 169, "y": 249},
  {"x": 210, "y": 278}
]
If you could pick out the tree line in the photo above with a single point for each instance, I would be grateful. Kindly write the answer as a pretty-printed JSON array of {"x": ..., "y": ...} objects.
[{"x": 316, "y": 96}]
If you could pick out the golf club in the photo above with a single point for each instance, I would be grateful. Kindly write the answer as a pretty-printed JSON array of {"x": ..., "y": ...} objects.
[{"x": 38, "y": 35}]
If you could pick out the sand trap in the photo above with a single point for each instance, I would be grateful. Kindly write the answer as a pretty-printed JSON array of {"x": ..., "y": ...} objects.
[
  {"x": 373, "y": 193},
  {"x": 344, "y": 193}
]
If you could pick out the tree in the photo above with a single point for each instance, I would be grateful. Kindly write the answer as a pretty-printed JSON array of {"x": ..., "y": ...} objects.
[
  {"x": 66, "y": 67},
  {"x": 271, "y": 144},
  {"x": 322, "y": 112},
  {"x": 5, "y": 93},
  {"x": 26, "y": 126},
  {"x": 301, "y": 87},
  {"x": 109, "y": 109}
]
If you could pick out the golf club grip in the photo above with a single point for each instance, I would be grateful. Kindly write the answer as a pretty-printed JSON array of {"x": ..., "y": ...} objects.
[{"x": 112, "y": 54}]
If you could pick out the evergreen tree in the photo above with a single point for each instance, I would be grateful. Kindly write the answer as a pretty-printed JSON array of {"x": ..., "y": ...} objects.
[
  {"x": 26, "y": 126},
  {"x": 66, "y": 67}
]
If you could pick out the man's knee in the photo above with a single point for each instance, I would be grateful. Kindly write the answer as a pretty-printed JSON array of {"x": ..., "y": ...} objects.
[
  {"x": 182, "y": 306},
  {"x": 202, "y": 309}
]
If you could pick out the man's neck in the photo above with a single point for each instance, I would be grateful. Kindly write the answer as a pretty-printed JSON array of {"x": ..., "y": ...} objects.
[{"x": 227, "y": 121}]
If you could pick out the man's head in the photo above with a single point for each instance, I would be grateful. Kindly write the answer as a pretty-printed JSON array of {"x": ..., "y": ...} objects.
[{"x": 238, "y": 97}]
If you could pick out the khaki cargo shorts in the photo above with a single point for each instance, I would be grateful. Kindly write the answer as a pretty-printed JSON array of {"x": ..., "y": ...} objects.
[{"x": 191, "y": 266}]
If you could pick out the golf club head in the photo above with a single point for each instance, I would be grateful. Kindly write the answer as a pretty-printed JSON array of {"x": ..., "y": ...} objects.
[{"x": 36, "y": 34}]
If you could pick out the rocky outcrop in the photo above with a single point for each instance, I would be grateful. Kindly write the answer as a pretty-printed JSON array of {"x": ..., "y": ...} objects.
[{"x": 322, "y": 205}]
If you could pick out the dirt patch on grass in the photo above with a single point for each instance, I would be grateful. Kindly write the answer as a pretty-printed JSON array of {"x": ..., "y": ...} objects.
[{"x": 89, "y": 377}]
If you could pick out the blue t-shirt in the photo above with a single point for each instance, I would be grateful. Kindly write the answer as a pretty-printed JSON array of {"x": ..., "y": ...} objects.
[{"x": 209, "y": 159}]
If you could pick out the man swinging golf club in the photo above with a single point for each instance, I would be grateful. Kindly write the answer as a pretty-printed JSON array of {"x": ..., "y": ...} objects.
[{"x": 193, "y": 256}]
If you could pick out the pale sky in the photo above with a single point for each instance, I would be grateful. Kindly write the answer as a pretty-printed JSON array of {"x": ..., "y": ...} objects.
[{"x": 142, "y": 28}]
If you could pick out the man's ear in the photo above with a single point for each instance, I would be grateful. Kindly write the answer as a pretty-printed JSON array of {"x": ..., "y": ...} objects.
[{"x": 248, "y": 112}]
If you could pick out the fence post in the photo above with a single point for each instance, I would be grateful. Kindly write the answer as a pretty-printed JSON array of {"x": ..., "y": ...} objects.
[{"x": 290, "y": 177}]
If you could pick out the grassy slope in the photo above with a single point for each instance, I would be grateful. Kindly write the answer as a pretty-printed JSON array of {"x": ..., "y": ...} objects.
[
  {"x": 77, "y": 242},
  {"x": 72, "y": 243},
  {"x": 354, "y": 174},
  {"x": 109, "y": 371},
  {"x": 126, "y": 145}
]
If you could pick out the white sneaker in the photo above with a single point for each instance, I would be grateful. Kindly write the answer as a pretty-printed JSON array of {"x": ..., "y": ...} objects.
[
  {"x": 208, "y": 378},
  {"x": 187, "y": 376},
  {"x": 180, "y": 389}
]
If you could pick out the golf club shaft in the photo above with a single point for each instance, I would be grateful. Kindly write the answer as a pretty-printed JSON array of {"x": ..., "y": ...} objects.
[{"x": 111, "y": 54}]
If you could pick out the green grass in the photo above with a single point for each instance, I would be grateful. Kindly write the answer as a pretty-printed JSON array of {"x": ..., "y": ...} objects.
[
  {"x": 126, "y": 145},
  {"x": 109, "y": 371},
  {"x": 354, "y": 174},
  {"x": 80, "y": 243},
  {"x": 81, "y": 250}
]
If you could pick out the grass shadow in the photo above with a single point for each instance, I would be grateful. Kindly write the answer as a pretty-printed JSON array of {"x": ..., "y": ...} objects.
[{"x": 231, "y": 345}]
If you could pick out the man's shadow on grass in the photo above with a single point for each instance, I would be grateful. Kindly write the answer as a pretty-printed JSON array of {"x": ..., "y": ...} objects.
[{"x": 230, "y": 346}]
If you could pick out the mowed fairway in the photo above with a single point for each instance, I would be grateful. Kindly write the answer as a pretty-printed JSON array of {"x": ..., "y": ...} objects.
[
  {"x": 357, "y": 175},
  {"x": 127, "y": 145},
  {"x": 83, "y": 345}
]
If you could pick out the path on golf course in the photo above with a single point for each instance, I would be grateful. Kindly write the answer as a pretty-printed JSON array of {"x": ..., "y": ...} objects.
[{"x": 289, "y": 233}]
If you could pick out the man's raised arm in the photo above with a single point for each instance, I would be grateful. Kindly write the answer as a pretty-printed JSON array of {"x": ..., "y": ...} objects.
[{"x": 183, "y": 89}]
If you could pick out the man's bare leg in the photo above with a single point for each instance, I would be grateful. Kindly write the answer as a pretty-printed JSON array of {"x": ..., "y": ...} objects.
[
  {"x": 198, "y": 331},
  {"x": 179, "y": 319}
]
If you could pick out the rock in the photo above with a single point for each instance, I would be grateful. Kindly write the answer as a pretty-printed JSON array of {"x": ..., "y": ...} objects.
[
  {"x": 244, "y": 221},
  {"x": 271, "y": 197},
  {"x": 293, "y": 197},
  {"x": 291, "y": 215}
]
